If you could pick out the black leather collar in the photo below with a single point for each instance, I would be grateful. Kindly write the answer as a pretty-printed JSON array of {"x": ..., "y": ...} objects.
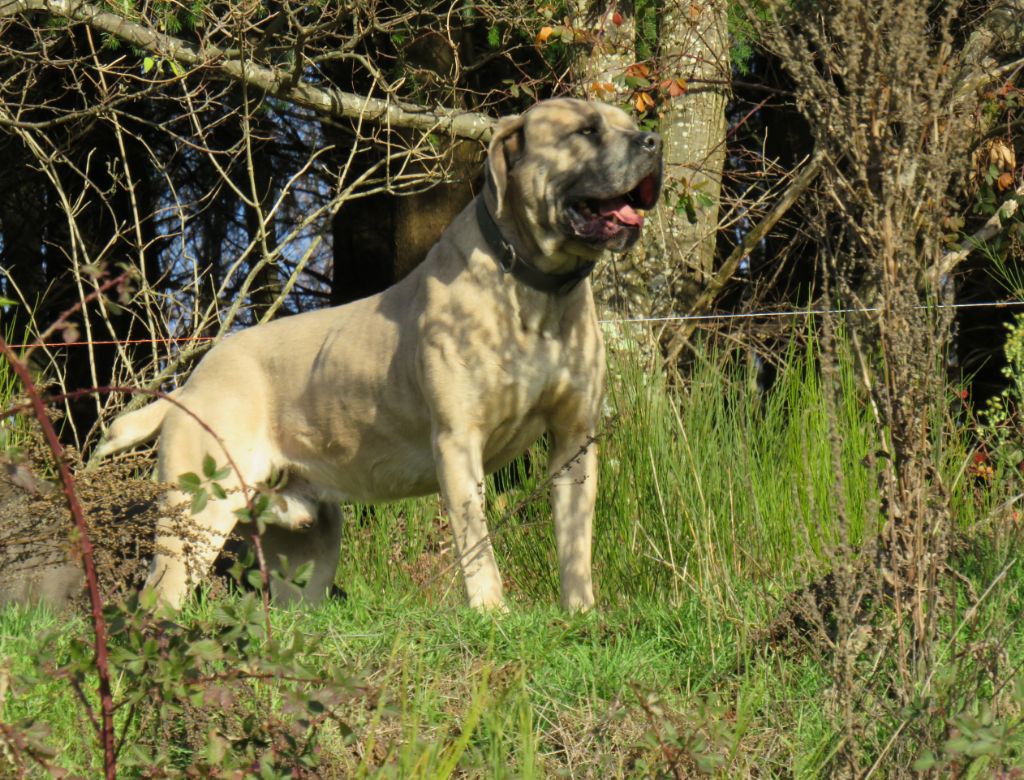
[{"x": 511, "y": 262}]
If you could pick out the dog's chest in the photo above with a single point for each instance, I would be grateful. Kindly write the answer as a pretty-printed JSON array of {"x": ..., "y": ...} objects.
[
  {"x": 507, "y": 367},
  {"x": 528, "y": 379},
  {"x": 516, "y": 401},
  {"x": 532, "y": 365}
]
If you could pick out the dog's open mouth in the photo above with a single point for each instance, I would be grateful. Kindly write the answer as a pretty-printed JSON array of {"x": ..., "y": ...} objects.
[{"x": 616, "y": 220}]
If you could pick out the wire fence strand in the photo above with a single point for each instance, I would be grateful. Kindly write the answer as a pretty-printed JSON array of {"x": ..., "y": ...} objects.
[
  {"x": 803, "y": 312},
  {"x": 750, "y": 315}
]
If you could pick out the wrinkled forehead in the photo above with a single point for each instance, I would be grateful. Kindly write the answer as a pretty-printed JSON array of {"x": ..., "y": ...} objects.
[{"x": 567, "y": 115}]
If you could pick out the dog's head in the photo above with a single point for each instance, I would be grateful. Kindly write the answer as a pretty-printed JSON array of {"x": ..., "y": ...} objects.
[{"x": 575, "y": 177}]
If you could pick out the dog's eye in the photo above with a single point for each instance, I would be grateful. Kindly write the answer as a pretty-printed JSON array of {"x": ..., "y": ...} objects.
[{"x": 588, "y": 130}]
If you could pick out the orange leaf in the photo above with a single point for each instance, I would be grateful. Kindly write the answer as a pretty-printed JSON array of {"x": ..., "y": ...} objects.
[
  {"x": 638, "y": 70},
  {"x": 544, "y": 34},
  {"x": 1005, "y": 181},
  {"x": 643, "y": 101},
  {"x": 694, "y": 12},
  {"x": 674, "y": 87},
  {"x": 616, "y": 18}
]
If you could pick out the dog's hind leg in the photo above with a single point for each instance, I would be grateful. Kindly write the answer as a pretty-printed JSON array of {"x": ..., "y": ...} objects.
[
  {"x": 187, "y": 543},
  {"x": 186, "y": 547}
]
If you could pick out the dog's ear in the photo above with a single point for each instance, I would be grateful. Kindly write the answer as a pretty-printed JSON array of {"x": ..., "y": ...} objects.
[{"x": 505, "y": 149}]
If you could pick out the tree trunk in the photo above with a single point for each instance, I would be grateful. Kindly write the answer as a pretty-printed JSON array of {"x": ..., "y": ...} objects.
[
  {"x": 611, "y": 27},
  {"x": 693, "y": 44},
  {"x": 619, "y": 287},
  {"x": 668, "y": 270}
]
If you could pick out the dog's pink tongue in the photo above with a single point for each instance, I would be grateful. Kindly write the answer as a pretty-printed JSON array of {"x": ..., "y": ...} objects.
[{"x": 622, "y": 211}]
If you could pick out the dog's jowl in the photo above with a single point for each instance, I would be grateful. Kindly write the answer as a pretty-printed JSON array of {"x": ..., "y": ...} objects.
[{"x": 433, "y": 383}]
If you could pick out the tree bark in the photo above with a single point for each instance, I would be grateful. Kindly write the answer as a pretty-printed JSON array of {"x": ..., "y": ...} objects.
[
  {"x": 612, "y": 29},
  {"x": 676, "y": 257},
  {"x": 693, "y": 44}
]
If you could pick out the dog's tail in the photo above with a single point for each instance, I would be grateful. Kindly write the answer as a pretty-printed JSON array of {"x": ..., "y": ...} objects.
[{"x": 134, "y": 428}]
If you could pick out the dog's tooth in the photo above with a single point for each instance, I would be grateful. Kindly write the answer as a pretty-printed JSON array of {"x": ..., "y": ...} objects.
[{"x": 642, "y": 212}]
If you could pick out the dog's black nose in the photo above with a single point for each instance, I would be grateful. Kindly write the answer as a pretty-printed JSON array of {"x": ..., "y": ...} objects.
[{"x": 650, "y": 142}]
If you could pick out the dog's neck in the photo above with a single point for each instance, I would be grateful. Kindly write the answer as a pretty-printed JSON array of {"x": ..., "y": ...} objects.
[{"x": 518, "y": 263}]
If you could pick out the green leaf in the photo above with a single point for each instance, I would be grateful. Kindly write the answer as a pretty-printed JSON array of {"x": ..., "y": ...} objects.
[
  {"x": 147, "y": 599},
  {"x": 255, "y": 578},
  {"x": 206, "y": 650},
  {"x": 199, "y": 501},
  {"x": 147, "y": 64},
  {"x": 209, "y": 466},
  {"x": 236, "y": 571},
  {"x": 703, "y": 200},
  {"x": 493, "y": 38},
  {"x": 926, "y": 761},
  {"x": 216, "y": 748},
  {"x": 189, "y": 482},
  {"x": 958, "y": 745},
  {"x": 261, "y": 504},
  {"x": 685, "y": 204}
]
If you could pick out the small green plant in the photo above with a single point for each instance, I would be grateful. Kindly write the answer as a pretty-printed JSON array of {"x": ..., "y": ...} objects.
[
  {"x": 199, "y": 696},
  {"x": 1001, "y": 427},
  {"x": 14, "y": 430}
]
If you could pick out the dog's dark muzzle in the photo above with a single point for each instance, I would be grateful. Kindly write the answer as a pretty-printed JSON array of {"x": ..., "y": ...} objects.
[{"x": 615, "y": 221}]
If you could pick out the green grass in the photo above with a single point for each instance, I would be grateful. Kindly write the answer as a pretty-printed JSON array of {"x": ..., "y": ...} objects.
[
  {"x": 553, "y": 690},
  {"x": 13, "y": 430},
  {"x": 715, "y": 501}
]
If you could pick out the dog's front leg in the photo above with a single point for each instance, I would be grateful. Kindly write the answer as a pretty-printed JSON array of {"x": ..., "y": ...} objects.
[
  {"x": 573, "y": 473},
  {"x": 460, "y": 474}
]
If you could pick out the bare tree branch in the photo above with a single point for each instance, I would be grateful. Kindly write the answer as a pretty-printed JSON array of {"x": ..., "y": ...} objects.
[
  {"x": 802, "y": 181},
  {"x": 273, "y": 81}
]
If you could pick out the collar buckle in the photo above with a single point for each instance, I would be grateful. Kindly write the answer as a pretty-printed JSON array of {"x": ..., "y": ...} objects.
[{"x": 507, "y": 257}]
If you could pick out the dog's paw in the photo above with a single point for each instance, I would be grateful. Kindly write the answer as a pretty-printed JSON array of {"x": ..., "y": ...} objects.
[{"x": 579, "y": 599}]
